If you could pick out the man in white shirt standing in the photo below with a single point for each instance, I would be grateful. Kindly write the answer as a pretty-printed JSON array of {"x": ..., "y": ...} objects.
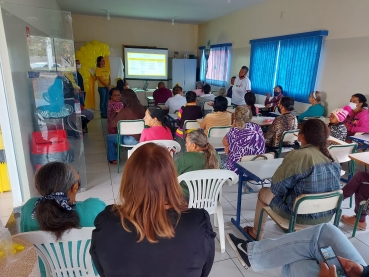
[
  {"x": 177, "y": 101},
  {"x": 241, "y": 86}
]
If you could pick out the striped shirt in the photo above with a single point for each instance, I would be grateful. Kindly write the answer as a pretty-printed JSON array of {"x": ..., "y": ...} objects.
[
  {"x": 304, "y": 171},
  {"x": 216, "y": 119},
  {"x": 190, "y": 111}
]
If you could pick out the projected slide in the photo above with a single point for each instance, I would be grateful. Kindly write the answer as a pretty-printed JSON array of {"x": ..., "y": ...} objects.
[{"x": 144, "y": 64}]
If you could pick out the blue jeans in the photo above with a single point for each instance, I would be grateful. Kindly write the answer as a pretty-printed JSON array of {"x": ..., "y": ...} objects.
[
  {"x": 104, "y": 98},
  {"x": 298, "y": 252},
  {"x": 111, "y": 141}
]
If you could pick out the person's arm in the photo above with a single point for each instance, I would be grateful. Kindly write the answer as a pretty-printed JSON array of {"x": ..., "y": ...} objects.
[
  {"x": 363, "y": 127},
  {"x": 179, "y": 165},
  {"x": 204, "y": 122},
  {"x": 209, "y": 246},
  {"x": 143, "y": 135},
  {"x": 225, "y": 143},
  {"x": 96, "y": 236},
  {"x": 167, "y": 103}
]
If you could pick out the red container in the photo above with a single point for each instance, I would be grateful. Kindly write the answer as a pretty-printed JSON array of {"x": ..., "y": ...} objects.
[{"x": 48, "y": 142}]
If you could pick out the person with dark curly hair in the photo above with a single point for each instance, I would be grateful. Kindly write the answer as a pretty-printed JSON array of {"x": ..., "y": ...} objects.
[{"x": 308, "y": 170}]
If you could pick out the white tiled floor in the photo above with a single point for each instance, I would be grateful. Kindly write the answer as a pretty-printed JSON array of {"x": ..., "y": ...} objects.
[{"x": 105, "y": 181}]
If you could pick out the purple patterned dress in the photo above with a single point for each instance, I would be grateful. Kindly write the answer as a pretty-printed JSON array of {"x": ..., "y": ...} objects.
[{"x": 243, "y": 142}]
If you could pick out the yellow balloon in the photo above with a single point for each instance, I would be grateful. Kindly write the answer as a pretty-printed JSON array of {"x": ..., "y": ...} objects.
[
  {"x": 106, "y": 47},
  {"x": 88, "y": 43},
  {"x": 96, "y": 48},
  {"x": 79, "y": 54},
  {"x": 83, "y": 48},
  {"x": 95, "y": 42},
  {"x": 89, "y": 46},
  {"x": 107, "y": 53}
]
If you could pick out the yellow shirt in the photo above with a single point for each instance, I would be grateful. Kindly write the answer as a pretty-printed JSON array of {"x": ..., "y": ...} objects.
[
  {"x": 216, "y": 119},
  {"x": 104, "y": 73}
]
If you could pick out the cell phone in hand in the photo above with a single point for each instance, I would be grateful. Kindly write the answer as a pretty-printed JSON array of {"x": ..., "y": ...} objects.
[{"x": 330, "y": 258}]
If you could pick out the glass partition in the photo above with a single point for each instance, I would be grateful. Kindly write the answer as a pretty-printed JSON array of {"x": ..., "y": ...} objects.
[{"x": 46, "y": 125}]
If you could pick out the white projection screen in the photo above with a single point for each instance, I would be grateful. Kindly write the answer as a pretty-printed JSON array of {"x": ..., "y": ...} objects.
[{"x": 146, "y": 63}]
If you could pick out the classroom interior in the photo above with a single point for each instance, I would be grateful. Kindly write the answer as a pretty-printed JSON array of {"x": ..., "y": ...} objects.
[{"x": 343, "y": 68}]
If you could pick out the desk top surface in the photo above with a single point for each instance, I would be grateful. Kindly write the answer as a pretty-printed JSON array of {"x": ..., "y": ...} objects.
[
  {"x": 362, "y": 157},
  {"x": 262, "y": 169}
]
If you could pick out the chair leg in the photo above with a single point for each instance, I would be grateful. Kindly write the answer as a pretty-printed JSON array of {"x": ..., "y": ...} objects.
[
  {"x": 219, "y": 215},
  {"x": 216, "y": 225},
  {"x": 357, "y": 219},
  {"x": 260, "y": 222},
  {"x": 350, "y": 202},
  {"x": 118, "y": 149}
]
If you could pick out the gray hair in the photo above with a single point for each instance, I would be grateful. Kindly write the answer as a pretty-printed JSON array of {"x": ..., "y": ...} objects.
[
  {"x": 222, "y": 92},
  {"x": 199, "y": 138},
  {"x": 199, "y": 85},
  {"x": 317, "y": 95}
]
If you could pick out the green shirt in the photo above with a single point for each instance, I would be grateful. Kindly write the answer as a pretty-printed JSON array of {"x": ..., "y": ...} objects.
[{"x": 191, "y": 161}]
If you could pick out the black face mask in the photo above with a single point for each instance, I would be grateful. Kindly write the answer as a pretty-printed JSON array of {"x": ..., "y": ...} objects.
[{"x": 276, "y": 93}]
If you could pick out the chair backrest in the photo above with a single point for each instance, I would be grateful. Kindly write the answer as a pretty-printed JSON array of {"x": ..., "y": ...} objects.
[
  {"x": 207, "y": 107},
  {"x": 204, "y": 187},
  {"x": 172, "y": 146},
  {"x": 131, "y": 127},
  {"x": 317, "y": 203},
  {"x": 190, "y": 124},
  {"x": 67, "y": 257},
  {"x": 218, "y": 131},
  {"x": 342, "y": 152},
  {"x": 266, "y": 156},
  {"x": 289, "y": 136}
]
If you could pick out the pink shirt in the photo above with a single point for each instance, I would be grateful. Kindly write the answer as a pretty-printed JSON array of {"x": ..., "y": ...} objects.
[{"x": 156, "y": 133}]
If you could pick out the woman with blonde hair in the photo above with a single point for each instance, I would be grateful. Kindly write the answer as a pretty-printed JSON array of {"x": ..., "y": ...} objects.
[
  {"x": 316, "y": 109},
  {"x": 200, "y": 155},
  {"x": 150, "y": 231},
  {"x": 244, "y": 138}
]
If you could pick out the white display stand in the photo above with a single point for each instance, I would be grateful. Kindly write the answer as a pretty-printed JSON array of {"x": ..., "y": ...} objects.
[{"x": 184, "y": 73}]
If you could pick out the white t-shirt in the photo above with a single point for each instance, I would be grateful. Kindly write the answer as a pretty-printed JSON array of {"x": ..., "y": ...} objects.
[
  {"x": 239, "y": 90},
  {"x": 175, "y": 103}
]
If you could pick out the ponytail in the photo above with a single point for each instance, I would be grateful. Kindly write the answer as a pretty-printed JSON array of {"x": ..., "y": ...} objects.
[
  {"x": 168, "y": 124},
  {"x": 211, "y": 157}
]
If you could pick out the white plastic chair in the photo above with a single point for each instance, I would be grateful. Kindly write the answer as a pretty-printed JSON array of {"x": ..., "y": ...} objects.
[
  {"x": 218, "y": 131},
  {"x": 205, "y": 192},
  {"x": 172, "y": 146},
  {"x": 128, "y": 127},
  {"x": 55, "y": 255}
]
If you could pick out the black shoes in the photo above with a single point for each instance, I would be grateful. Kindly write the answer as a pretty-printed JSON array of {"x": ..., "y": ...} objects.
[{"x": 239, "y": 246}]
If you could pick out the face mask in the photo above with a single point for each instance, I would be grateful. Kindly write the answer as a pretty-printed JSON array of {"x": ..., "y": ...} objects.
[
  {"x": 352, "y": 105},
  {"x": 276, "y": 93},
  {"x": 127, "y": 86},
  {"x": 78, "y": 66}
]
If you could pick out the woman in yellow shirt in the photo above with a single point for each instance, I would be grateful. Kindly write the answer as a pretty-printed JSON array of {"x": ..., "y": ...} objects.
[{"x": 103, "y": 79}]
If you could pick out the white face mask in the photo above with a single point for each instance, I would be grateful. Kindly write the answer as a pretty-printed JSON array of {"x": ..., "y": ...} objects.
[
  {"x": 127, "y": 86},
  {"x": 79, "y": 66},
  {"x": 352, "y": 105}
]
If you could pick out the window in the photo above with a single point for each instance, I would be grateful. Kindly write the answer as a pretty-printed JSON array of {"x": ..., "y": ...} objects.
[
  {"x": 289, "y": 61},
  {"x": 217, "y": 69}
]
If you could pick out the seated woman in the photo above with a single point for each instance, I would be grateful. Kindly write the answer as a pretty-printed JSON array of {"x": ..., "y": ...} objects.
[
  {"x": 220, "y": 116},
  {"x": 150, "y": 232},
  {"x": 132, "y": 110},
  {"x": 285, "y": 122},
  {"x": 57, "y": 210},
  {"x": 299, "y": 255},
  {"x": 190, "y": 111},
  {"x": 310, "y": 169},
  {"x": 357, "y": 185},
  {"x": 358, "y": 119},
  {"x": 278, "y": 94},
  {"x": 244, "y": 138},
  {"x": 200, "y": 155},
  {"x": 316, "y": 109},
  {"x": 122, "y": 85},
  {"x": 114, "y": 107},
  {"x": 336, "y": 126},
  {"x": 160, "y": 127},
  {"x": 250, "y": 100}
]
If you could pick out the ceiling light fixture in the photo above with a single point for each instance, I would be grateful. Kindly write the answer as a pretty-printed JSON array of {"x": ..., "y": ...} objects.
[{"x": 172, "y": 22}]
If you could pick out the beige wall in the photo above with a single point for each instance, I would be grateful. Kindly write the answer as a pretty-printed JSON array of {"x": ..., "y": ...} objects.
[
  {"x": 118, "y": 31},
  {"x": 345, "y": 57}
]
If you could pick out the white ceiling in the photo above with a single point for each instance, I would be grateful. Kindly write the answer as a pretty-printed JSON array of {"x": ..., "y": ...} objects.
[{"x": 183, "y": 11}]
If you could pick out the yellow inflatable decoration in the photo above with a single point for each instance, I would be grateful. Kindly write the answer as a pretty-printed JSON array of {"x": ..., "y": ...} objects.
[{"x": 87, "y": 55}]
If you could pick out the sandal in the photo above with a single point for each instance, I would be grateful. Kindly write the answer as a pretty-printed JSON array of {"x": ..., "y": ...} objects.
[
  {"x": 113, "y": 162},
  {"x": 250, "y": 231}
]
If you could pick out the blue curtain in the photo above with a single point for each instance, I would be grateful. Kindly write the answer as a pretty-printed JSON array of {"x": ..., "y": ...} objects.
[
  {"x": 297, "y": 66},
  {"x": 263, "y": 66},
  {"x": 202, "y": 66}
]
